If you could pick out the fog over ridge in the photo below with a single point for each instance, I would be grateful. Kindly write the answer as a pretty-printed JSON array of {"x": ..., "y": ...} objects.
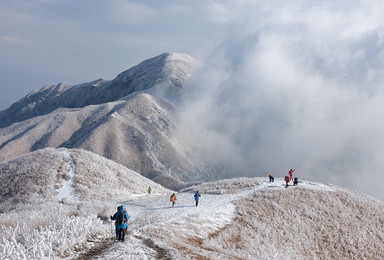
[{"x": 296, "y": 85}]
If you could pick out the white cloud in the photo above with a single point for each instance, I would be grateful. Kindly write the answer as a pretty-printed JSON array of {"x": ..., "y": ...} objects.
[
  {"x": 302, "y": 88},
  {"x": 220, "y": 12}
]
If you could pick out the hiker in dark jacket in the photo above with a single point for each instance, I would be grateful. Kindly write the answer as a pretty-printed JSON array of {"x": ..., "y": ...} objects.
[
  {"x": 197, "y": 196},
  {"x": 121, "y": 217},
  {"x": 271, "y": 179},
  {"x": 114, "y": 218}
]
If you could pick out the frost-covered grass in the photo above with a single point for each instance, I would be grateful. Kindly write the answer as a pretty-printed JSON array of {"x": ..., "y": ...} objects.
[
  {"x": 104, "y": 179},
  {"x": 302, "y": 223},
  {"x": 226, "y": 186},
  {"x": 30, "y": 178}
]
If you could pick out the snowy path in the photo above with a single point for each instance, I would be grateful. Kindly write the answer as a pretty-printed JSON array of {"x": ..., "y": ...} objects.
[
  {"x": 66, "y": 191},
  {"x": 154, "y": 224},
  {"x": 156, "y": 229}
]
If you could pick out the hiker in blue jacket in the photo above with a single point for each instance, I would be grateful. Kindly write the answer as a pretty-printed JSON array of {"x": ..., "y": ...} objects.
[
  {"x": 197, "y": 196},
  {"x": 121, "y": 217}
]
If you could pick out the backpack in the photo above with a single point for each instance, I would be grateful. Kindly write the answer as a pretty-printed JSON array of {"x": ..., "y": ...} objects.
[{"x": 120, "y": 219}]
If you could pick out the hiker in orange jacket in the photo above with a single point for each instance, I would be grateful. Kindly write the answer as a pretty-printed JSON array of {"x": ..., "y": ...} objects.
[{"x": 173, "y": 199}]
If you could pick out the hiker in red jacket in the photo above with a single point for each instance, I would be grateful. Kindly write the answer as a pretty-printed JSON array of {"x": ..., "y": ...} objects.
[
  {"x": 287, "y": 179},
  {"x": 291, "y": 173}
]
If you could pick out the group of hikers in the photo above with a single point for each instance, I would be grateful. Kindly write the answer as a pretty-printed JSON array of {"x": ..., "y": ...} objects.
[
  {"x": 196, "y": 196},
  {"x": 121, "y": 216},
  {"x": 287, "y": 178}
]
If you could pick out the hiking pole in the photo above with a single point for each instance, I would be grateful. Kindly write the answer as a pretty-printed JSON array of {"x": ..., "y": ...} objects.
[{"x": 112, "y": 230}]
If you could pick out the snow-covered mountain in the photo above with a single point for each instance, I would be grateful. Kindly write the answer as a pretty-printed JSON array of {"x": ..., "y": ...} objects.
[
  {"x": 128, "y": 120},
  {"x": 163, "y": 76},
  {"x": 56, "y": 204}
]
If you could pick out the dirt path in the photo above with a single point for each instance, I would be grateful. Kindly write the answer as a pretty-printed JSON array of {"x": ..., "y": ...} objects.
[
  {"x": 99, "y": 249},
  {"x": 161, "y": 253}
]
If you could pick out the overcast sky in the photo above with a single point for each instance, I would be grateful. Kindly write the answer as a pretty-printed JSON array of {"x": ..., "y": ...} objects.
[{"x": 283, "y": 84}]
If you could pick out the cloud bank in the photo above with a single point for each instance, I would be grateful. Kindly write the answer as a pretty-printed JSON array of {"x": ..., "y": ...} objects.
[{"x": 293, "y": 85}]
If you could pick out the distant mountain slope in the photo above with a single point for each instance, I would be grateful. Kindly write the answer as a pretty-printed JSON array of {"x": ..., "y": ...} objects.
[
  {"x": 163, "y": 75},
  {"x": 136, "y": 132},
  {"x": 38, "y": 177}
]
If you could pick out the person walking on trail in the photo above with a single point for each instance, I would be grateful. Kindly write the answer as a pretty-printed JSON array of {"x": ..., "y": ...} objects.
[
  {"x": 287, "y": 179},
  {"x": 291, "y": 173},
  {"x": 149, "y": 190},
  {"x": 114, "y": 217},
  {"x": 197, "y": 196},
  {"x": 173, "y": 199},
  {"x": 121, "y": 217},
  {"x": 271, "y": 179}
]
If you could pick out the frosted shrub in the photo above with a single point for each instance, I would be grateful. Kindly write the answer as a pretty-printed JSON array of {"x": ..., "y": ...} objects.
[{"x": 58, "y": 238}]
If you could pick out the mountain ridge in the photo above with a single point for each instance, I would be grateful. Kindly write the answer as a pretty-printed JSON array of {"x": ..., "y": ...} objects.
[
  {"x": 130, "y": 119},
  {"x": 158, "y": 73},
  {"x": 137, "y": 132}
]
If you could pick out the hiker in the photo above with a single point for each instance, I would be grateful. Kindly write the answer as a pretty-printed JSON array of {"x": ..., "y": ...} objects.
[
  {"x": 149, "y": 190},
  {"x": 114, "y": 217},
  {"x": 271, "y": 179},
  {"x": 121, "y": 217},
  {"x": 287, "y": 179},
  {"x": 197, "y": 196},
  {"x": 173, "y": 199},
  {"x": 291, "y": 173},
  {"x": 295, "y": 181}
]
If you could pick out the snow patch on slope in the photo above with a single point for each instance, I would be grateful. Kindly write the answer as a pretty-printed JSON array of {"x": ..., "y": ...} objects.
[{"x": 67, "y": 189}]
